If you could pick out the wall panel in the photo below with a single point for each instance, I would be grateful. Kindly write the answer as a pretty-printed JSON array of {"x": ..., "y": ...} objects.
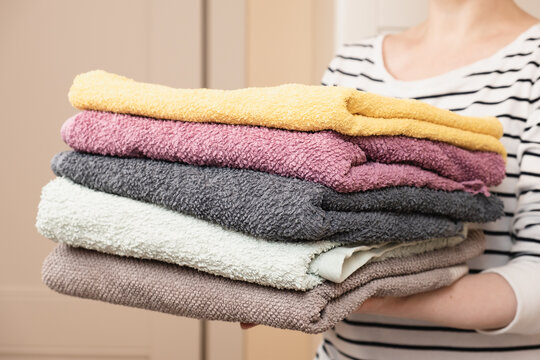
[{"x": 43, "y": 44}]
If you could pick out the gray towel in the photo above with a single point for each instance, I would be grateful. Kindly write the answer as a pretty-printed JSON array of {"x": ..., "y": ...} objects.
[
  {"x": 168, "y": 288},
  {"x": 280, "y": 208}
]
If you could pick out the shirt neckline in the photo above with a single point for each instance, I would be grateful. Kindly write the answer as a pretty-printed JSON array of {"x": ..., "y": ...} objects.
[{"x": 452, "y": 75}]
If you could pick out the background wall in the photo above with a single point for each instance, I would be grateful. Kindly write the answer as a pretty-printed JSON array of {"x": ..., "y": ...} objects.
[
  {"x": 43, "y": 44},
  {"x": 188, "y": 43}
]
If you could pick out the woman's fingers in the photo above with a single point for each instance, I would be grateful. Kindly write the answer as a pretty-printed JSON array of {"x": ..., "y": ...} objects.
[{"x": 246, "y": 326}]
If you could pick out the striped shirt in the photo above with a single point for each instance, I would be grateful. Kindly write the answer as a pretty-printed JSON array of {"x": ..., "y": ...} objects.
[{"x": 504, "y": 85}]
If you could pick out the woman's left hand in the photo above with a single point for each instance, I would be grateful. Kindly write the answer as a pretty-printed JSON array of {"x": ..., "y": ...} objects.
[{"x": 481, "y": 301}]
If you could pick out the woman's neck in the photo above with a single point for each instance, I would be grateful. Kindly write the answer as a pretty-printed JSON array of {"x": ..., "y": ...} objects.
[
  {"x": 457, "y": 33},
  {"x": 455, "y": 20}
]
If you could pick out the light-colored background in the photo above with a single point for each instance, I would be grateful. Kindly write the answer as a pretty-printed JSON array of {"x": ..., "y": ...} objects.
[{"x": 182, "y": 43}]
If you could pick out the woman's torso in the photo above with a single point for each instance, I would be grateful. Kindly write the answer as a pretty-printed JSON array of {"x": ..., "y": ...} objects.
[{"x": 502, "y": 85}]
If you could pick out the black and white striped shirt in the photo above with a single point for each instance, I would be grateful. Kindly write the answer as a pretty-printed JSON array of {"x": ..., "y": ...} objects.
[{"x": 505, "y": 85}]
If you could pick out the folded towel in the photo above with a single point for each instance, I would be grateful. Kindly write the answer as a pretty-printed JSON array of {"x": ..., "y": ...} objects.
[
  {"x": 339, "y": 263},
  {"x": 168, "y": 288},
  {"x": 82, "y": 217},
  {"x": 326, "y": 157},
  {"x": 294, "y": 107},
  {"x": 444, "y": 159},
  {"x": 269, "y": 206}
]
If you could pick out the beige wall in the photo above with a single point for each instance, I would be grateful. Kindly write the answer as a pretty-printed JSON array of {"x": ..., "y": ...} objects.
[
  {"x": 288, "y": 41},
  {"x": 43, "y": 44}
]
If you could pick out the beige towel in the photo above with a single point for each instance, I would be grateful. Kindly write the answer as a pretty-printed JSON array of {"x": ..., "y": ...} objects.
[{"x": 173, "y": 289}]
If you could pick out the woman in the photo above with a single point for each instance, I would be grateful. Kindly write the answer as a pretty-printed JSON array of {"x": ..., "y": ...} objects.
[{"x": 475, "y": 57}]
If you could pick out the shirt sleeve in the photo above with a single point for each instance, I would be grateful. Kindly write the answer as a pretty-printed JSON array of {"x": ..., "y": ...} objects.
[{"x": 523, "y": 270}]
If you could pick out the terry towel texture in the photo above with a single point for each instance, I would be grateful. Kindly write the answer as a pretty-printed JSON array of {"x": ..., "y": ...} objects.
[
  {"x": 262, "y": 204},
  {"x": 326, "y": 157},
  {"x": 340, "y": 262},
  {"x": 183, "y": 291},
  {"x": 292, "y": 106},
  {"x": 79, "y": 216},
  {"x": 279, "y": 208}
]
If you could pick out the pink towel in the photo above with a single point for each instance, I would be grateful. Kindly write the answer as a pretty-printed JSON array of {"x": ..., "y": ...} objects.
[
  {"x": 442, "y": 158},
  {"x": 344, "y": 163}
]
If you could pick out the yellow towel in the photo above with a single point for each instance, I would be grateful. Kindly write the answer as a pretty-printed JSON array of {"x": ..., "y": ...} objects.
[{"x": 292, "y": 106}]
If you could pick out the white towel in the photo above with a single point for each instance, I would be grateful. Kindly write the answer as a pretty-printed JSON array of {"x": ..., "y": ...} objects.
[
  {"x": 82, "y": 217},
  {"x": 339, "y": 263}
]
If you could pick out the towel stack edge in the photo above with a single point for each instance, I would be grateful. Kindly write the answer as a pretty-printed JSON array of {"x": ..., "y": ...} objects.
[{"x": 287, "y": 206}]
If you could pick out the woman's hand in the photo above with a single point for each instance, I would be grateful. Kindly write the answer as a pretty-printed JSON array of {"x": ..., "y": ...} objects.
[
  {"x": 482, "y": 301},
  {"x": 246, "y": 326}
]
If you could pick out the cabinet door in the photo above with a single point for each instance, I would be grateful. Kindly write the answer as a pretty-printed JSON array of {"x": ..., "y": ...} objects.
[{"x": 43, "y": 44}]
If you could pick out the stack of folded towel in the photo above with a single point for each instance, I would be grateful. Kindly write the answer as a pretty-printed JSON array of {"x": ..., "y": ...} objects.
[{"x": 286, "y": 206}]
